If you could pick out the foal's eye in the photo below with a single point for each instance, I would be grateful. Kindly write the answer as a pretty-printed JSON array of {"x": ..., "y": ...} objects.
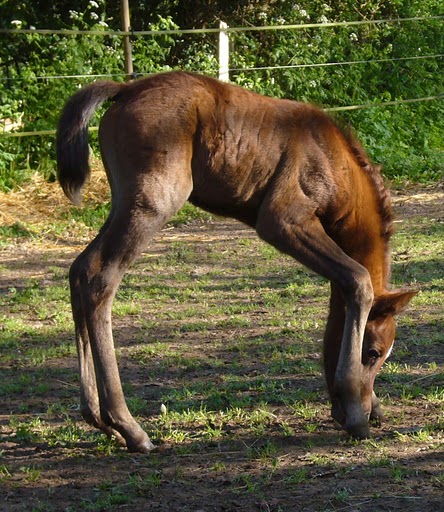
[{"x": 373, "y": 354}]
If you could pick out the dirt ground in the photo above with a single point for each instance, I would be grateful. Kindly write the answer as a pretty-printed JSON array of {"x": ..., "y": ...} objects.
[{"x": 311, "y": 471}]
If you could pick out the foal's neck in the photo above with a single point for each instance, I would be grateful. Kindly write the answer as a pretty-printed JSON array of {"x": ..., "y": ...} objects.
[
  {"x": 375, "y": 261},
  {"x": 371, "y": 243}
]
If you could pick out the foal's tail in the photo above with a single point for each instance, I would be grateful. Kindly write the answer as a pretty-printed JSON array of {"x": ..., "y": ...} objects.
[{"x": 72, "y": 135}]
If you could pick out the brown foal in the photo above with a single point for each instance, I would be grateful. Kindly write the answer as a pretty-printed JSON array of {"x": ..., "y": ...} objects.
[{"x": 282, "y": 167}]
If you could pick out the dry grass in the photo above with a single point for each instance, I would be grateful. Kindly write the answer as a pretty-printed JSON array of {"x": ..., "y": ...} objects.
[{"x": 39, "y": 200}]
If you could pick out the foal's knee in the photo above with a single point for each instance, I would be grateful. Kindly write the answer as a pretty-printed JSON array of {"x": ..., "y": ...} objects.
[{"x": 359, "y": 289}]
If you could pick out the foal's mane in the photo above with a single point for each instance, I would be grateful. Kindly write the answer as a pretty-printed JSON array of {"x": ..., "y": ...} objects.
[{"x": 373, "y": 171}]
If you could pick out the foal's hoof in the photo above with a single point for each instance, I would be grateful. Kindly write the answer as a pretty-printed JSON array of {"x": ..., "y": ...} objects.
[
  {"x": 145, "y": 447},
  {"x": 376, "y": 416},
  {"x": 376, "y": 419},
  {"x": 359, "y": 430}
]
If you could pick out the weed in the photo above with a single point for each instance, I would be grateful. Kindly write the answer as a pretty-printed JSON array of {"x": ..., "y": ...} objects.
[
  {"x": 188, "y": 214},
  {"x": 265, "y": 452},
  {"x": 142, "y": 484},
  {"x": 31, "y": 473},
  {"x": 115, "y": 496},
  {"x": 105, "y": 445},
  {"x": 409, "y": 393},
  {"x": 136, "y": 404},
  {"x": 422, "y": 435},
  {"x": 305, "y": 410},
  {"x": 68, "y": 434},
  {"x": 212, "y": 431},
  {"x": 342, "y": 494},
  {"x": 43, "y": 507},
  {"x": 14, "y": 231},
  {"x": 379, "y": 461},
  {"x": 398, "y": 473},
  {"x": 311, "y": 427},
  {"x": 27, "y": 433},
  {"x": 319, "y": 459},
  {"x": 297, "y": 476},
  {"x": 246, "y": 483},
  {"x": 4, "y": 473},
  {"x": 287, "y": 430},
  {"x": 435, "y": 395}
]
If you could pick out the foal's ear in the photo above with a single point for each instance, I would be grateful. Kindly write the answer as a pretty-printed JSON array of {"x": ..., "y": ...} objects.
[{"x": 391, "y": 303}]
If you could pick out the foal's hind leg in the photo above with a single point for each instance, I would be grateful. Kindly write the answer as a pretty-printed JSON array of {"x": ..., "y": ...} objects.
[
  {"x": 137, "y": 217},
  {"x": 291, "y": 225},
  {"x": 89, "y": 398}
]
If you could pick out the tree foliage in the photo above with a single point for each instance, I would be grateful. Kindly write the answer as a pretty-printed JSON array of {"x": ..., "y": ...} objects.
[{"x": 406, "y": 139}]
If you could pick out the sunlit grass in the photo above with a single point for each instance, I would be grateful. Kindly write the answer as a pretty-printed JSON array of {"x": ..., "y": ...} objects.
[{"x": 220, "y": 354}]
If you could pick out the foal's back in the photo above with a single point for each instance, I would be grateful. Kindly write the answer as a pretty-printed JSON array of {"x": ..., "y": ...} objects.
[{"x": 237, "y": 145}]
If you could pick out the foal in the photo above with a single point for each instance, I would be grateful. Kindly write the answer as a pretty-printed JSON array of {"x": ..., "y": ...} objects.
[{"x": 282, "y": 167}]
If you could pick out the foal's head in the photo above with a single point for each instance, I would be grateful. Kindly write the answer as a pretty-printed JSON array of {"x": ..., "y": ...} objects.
[
  {"x": 377, "y": 345},
  {"x": 379, "y": 337}
]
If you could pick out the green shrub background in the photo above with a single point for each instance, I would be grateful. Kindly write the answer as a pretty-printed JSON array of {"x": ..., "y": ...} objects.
[{"x": 406, "y": 139}]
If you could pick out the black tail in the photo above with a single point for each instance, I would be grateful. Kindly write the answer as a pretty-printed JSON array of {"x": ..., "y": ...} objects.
[{"x": 72, "y": 135}]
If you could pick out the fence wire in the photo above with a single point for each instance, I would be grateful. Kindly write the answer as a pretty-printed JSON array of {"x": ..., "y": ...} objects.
[
  {"x": 327, "y": 109},
  {"x": 260, "y": 68},
  {"x": 301, "y": 26},
  {"x": 135, "y": 33}
]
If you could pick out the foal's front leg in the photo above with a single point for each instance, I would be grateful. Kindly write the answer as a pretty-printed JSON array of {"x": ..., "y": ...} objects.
[
  {"x": 376, "y": 415},
  {"x": 299, "y": 233}
]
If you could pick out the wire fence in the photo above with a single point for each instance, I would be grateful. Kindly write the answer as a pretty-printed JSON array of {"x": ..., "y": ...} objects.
[
  {"x": 216, "y": 30},
  {"x": 259, "y": 68},
  {"x": 64, "y": 32}
]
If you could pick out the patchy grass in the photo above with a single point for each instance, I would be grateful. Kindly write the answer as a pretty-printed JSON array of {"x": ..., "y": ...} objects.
[{"x": 218, "y": 341}]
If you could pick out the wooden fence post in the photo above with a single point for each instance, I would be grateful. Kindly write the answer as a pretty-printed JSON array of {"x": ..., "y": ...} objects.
[
  {"x": 224, "y": 52},
  {"x": 126, "y": 27}
]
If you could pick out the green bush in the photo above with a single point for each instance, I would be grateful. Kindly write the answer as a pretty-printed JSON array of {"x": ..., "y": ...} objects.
[{"x": 406, "y": 139}]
